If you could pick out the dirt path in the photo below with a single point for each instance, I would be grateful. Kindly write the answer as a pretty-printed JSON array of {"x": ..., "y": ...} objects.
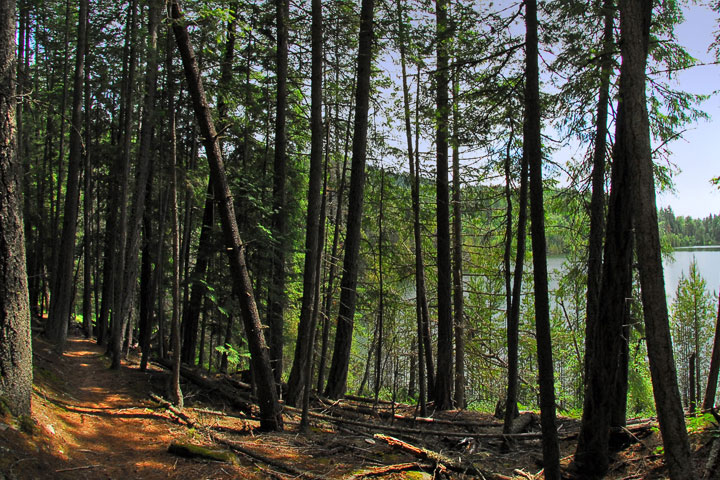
[{"x": 96, "y": 423}]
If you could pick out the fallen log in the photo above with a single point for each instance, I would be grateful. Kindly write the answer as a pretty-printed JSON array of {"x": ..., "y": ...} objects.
[
  {"x": 187, "y": 450},
  {"x": 416, "y": 431},
  {"x": 234, "y": 446},
  {"x": 173, "y": 409},
  {"x": 362, "y": 410},
  {"x": 358, "y": 398},
  {"x": 227, "y": 393},
  {"x": 437, "y": 458}
]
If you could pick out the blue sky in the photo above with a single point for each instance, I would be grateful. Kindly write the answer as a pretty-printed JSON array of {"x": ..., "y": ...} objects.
[{"x": 697, "y": 155}]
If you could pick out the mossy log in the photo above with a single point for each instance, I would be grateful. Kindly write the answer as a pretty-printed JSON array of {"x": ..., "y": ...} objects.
[{"x": 188, "y": 450}]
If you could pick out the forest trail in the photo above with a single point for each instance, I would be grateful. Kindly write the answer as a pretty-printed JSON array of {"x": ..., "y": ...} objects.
[
  {"x": 90, "y": 422},
  {"x": 93, "y": 422}
]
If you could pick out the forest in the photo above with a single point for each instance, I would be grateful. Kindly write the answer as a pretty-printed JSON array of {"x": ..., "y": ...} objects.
[{"x": 328, "y": 201}]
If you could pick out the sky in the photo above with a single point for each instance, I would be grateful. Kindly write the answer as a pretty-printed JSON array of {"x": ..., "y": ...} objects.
[{"x": 697, "y": 154}]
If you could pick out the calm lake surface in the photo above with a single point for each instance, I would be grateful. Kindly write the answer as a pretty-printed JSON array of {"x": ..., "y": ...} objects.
[{"x": 707, "y": 258}]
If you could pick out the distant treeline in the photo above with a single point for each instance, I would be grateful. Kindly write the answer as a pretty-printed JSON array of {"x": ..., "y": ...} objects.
[{"x": 681, "y": 231}]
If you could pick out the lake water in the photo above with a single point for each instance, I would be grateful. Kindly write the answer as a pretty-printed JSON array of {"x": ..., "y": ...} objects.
[
  {"x": 707, "y": 258},
  {"x": 708, "y": 265}
]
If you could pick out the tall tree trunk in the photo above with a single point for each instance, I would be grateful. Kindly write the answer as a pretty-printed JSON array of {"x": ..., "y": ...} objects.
[
  {"x": 337, "y": 377},
  {"x": 533, "y": 148},
  {"x": 635, "y": 19},
  {"x": 604, "y": 331},
  {"x": 62, "y": 292},
  {"x": 87, "y": 204},
  {"x": 276, "y": 297},
  {"x": 419, "y": 262},
  {"x": 443, "y": 379},
  {"x": 513, "y": 321},
  {"x": 270, "y": 415},
  {"x": 597, "y": 200},
  {"x": 381, "y": 306},
  {"x": 175, "y": 393},
  {"x": 457, "y": 268},
  {"x": 307, "y": 324},
  {"x": 56, "y": 200},
  {"x": 118, "y": 323},
  {"x": 711, "y": 389},
  {"x": 146, "y": 290},
  {"x": 419, "y": 274},
  {"x": 132, "y": 247},
  {"x": 692, "y": 400},
  {"x": 15, "y": 346},
  {"x": 329, "y": 290}
]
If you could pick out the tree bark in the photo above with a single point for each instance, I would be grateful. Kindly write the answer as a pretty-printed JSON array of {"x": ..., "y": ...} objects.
[
  {"x": 270, "y": 414},
  {"x": 337, "y": 377},
  {"x": 298, "y": 379},
  {"x": 15, "y": 346},
  {"x": 444, "y": 376},
  {"x": 533, "y": 148},
  {"x": 62, "y": 292},
  {"x": 146, "y": 290},
  {"x": 635, "y": 19}
]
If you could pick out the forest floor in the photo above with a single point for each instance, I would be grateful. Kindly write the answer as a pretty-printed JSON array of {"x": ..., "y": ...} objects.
[{"x": 92, "y": 422}]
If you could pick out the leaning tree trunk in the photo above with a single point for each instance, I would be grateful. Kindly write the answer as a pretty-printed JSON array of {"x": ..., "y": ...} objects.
[
  {"x": 270, "y": 415},
  {"x": 191, "y": 312},
  {"x": 62, "y": 292},
  {"x": 337, "y": 377},
  {"x": 15, "y": 347},
  {"x": 533, "y": 146},
  {"x": 444, "y": 376},
  {"x": 635, "y": 19}
]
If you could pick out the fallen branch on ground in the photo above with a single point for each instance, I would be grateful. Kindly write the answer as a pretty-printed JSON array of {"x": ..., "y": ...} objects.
[
  {"x": 255, "y": 457},
  {"x": 439, "y": 459},
  {"x": 74, "y": 469},
  {"x": 387, "y": 469}
]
